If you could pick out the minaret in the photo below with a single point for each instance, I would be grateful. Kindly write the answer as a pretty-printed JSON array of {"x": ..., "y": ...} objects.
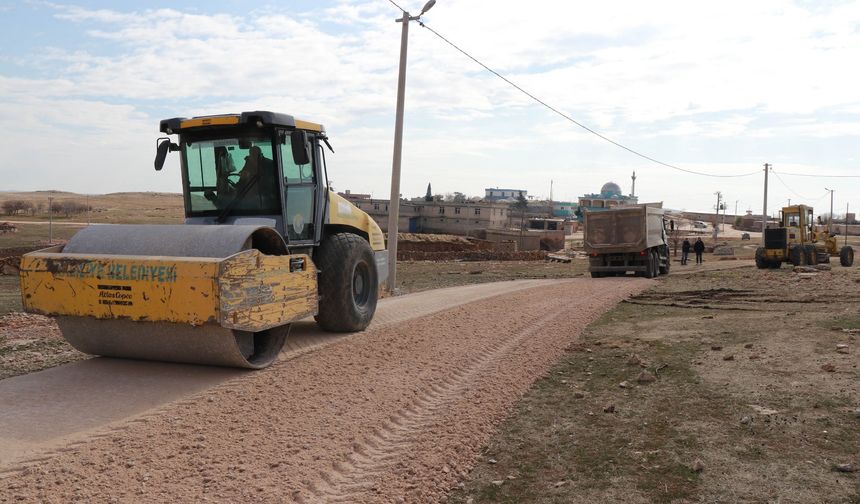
[
  {"x": 633, "y": 193},
  {"x": 429, "y": 195}
]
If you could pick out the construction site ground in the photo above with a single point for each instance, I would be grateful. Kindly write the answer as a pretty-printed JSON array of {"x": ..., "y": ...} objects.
[
  {"x": 731, "y": 386},
  {"x": 484, "y": 390}
]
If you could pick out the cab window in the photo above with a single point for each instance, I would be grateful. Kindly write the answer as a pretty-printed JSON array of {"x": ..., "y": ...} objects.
[{"x": 217, "y": 172}]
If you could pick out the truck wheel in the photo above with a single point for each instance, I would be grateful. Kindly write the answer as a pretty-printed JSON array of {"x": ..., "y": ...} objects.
[
  {"x": 810, "y": 255},
  {"x": 348, "y": 283},
  {"x": 796, "y": 255},
  {"x": 651, "y": 266},
  {"x": 760, "y": 260},
  {"x": 846, "y": 256}
]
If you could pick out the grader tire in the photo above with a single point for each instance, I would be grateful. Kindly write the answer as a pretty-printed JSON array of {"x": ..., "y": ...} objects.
[
  {"x": 810, "y": 255},
  {"x": 348, "y": 283},
  {"x": 797, "y": 256},
  {"x": 846, "y": 256},
  {"x": 760, "y": 260}
]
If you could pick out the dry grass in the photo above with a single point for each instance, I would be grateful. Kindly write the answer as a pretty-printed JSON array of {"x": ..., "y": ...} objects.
[{"x": 114, "y": 208}]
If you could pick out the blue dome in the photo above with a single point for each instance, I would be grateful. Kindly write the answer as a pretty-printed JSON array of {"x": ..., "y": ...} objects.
[{"x": 610, "y": 189}]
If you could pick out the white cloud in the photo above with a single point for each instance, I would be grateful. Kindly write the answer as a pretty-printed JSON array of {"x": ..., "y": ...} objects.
[{"x": 684, "y": 81}]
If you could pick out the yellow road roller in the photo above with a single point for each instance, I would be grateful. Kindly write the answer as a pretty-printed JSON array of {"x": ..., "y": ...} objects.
[{"x": 265, "y": 243}]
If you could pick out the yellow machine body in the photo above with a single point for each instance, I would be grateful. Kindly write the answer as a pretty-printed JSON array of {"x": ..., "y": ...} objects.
[
  {"x": 224, "y": 288},
  {"x": 247, "y": 291}
]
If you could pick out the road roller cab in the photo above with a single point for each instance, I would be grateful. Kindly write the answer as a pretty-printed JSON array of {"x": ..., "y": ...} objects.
[{"x": 265, "y": 243}]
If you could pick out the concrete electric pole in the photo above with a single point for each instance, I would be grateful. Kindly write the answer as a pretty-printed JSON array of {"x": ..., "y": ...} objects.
[
  {"x": 764, "y": 206},
  {"x": 717, "y": 215},
  {"x": 394, "y": 202},
  {"x": 830, "y": 221}
]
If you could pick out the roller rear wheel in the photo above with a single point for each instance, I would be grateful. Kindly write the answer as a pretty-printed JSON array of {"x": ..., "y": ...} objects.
[{"x": 348, "y": 283}]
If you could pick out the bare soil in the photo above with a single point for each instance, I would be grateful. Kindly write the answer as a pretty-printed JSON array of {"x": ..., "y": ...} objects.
[
  {"x": 753, "y": 400},
  {"x": 390, "y": 415},
  {"x": 31, "y": 342}
]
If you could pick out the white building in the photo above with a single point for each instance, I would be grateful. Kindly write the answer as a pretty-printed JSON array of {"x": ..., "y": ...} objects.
[{"x": 495, "y": 194}]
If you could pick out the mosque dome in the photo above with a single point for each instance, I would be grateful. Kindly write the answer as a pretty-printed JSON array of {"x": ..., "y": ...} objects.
[{"x": 610, "y": 189}]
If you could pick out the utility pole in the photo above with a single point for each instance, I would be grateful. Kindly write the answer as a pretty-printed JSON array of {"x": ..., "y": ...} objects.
[
  {"x": 394, "y": 202},
  {"x": 830, "y": 222},
  {"x": 550, "y": 199},
  {"x": 846, "y": 223},
  {"x": 50, "y": 220},
  {"x": 717, "y": 216},
  {"x": 764, "y": 207}
]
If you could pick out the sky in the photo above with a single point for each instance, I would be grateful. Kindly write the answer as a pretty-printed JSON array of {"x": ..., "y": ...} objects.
[{"x": 714, "y": 87}]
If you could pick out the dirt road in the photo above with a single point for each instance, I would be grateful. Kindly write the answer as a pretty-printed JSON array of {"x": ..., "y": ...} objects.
[
  {"x": 74, "y": 401},
  {"x": 395, "y": 414}
]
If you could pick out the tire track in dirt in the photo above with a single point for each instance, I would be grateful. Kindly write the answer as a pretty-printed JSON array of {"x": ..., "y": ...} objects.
[{"x": 351, "y": 478}]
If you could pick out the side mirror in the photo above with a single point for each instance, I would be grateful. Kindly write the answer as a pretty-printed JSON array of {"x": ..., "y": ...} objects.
[
  {"x": 164, "y": 145},
  {"x": 299, "y": 144}
]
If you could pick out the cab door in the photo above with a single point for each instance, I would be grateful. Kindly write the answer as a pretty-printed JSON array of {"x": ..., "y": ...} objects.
[{"x": 299, "y": 186}]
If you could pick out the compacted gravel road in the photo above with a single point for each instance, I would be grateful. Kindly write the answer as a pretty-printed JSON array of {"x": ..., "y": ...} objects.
[{"x": 397, "y": 413}]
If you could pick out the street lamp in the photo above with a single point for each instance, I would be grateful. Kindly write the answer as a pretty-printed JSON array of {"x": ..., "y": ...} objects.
[{"x": 394, "y": 202}]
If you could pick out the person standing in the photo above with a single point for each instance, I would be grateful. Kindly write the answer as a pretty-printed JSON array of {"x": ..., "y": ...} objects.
[
  {"x": 698, "y": 248},
  {"x": 685, "y": 251}
]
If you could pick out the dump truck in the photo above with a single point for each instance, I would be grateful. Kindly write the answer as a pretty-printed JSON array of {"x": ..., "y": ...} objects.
[
  {"x": 265, "y": 243},
  {"x": 629, "y": 238},
  {"x": 799, "y": 241}
]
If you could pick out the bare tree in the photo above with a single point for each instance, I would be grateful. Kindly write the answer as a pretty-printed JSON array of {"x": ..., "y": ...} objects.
[{"x": 14, "y": 207}]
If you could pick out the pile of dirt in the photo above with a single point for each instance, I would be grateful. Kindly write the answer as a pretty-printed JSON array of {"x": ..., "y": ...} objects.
[
  {"x": 30, "y": 342},
  {"x": 10, "y": 259},
  {"x": 412, "y": 242}
]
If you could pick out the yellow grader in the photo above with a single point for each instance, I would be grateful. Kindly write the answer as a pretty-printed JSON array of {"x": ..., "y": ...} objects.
[
  {"x": 265, "y": 243},
  {"x": 799, "y": 241}
]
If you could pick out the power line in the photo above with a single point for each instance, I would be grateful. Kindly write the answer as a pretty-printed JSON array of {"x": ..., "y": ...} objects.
[
  {"x": 574, "y": 121},
  {"x": 793, "y": 191},
  {"x": 816, "y": 175},
  {"x": 399, "y": 7}
]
